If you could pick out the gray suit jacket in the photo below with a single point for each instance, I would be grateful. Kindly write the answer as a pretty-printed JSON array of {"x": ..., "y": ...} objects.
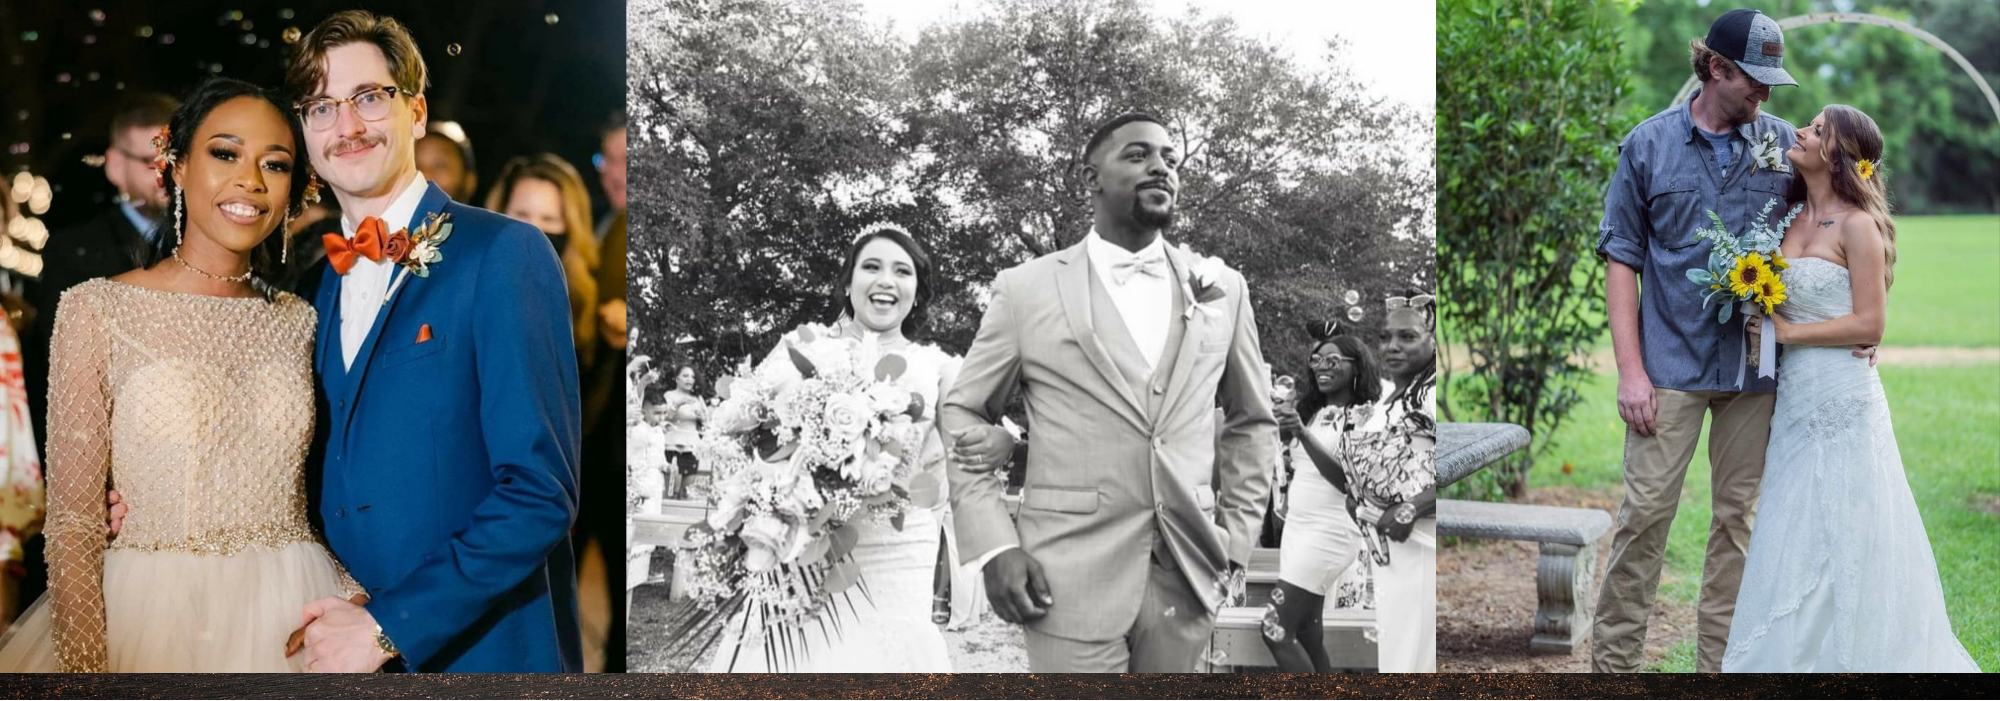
[{"x": 1118, "y": 462}]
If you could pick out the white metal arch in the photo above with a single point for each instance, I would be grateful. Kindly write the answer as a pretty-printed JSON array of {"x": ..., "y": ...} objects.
[{"x": 1795, "y": 22}]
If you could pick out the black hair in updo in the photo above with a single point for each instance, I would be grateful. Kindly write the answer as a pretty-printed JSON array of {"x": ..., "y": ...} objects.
[{"x": 264, "y": 261}]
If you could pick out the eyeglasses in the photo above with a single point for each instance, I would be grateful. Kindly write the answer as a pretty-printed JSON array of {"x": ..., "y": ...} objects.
[
  {"x": 371, "y": 105},
  {"x": 1331, "y": 361},
  {"x": 1416, "y": 302}
]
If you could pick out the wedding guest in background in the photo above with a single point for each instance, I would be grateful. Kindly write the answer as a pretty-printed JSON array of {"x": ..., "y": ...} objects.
[
  {"x": 22, "y": 502},
  {"x": 444, "y": 156},
  {"x": 1321, "y": 541},
  {"x": 610, "y": 164},
  {"x": 1402, "y": 483},
  {"x": 544, "y": 190},
  {"x": 685, "y": 413},
  {"x": 604, "y": 434}
]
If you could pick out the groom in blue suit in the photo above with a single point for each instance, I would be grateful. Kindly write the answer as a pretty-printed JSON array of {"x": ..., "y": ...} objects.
[{"x": 448, "y": 417}]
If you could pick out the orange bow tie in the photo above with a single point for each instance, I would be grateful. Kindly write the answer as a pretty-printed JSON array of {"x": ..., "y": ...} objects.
[{"x": 341, "y": 253}]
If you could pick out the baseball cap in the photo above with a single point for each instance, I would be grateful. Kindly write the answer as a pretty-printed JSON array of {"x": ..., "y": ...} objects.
[{"x": 1753, "y": 40}]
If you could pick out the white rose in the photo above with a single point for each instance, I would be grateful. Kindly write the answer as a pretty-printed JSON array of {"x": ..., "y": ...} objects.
[
  {"x": 846, "y": 416},
  {"x": 878, "y": 473},
  {"x": 766, "y": 536},
  {"x": 888, "y": 398}
]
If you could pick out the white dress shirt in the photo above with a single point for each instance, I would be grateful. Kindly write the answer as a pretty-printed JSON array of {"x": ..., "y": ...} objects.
[
  {"x": 1144, "y": 302},
  {"x": 367, "y": 283}
]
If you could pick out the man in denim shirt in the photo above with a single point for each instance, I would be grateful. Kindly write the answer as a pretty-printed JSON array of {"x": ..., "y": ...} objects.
[{"x": 1675, "y": 362}]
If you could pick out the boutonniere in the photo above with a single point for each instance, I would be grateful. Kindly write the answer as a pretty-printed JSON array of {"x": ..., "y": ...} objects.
[
  {"x": 1204, "y": 276},
  {"x": 1769, "y": 156},
  {"x": 417, "y": 250}
]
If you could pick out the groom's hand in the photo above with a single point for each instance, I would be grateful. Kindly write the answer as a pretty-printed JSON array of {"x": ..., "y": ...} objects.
[
  {"x": 1866, "y": 352},
  {"x": 1016, "y": 586},
  {"x": 982, "y": 448},
  {"x": 340, "y": 637},
  {"x": 1636, "y": 402},
  {"x": 114, "y": 509}
]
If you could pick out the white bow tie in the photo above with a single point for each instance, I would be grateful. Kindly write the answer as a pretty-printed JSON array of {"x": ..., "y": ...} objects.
[{"x": 1152, "y": 263}]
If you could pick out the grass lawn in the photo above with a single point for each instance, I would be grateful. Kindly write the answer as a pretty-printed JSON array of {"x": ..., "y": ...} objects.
[
  {"x": 1945, "y": 419},
  {"x": 1947, "y": 290}
]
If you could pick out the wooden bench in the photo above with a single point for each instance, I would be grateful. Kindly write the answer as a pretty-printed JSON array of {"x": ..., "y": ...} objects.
[{"x": 1563, "y": 578}]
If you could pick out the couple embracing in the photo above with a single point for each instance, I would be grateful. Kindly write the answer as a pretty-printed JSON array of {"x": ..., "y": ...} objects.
[
  {"x": 1837, "y": 575},
  {"x": 1139, "y": 512},
  {"x": 425, "y": 401}
]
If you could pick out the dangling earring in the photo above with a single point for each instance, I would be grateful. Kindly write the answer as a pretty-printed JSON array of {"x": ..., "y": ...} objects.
[
  {"x": 180, "y": 212},
  {"x": 285, "y": 242}
]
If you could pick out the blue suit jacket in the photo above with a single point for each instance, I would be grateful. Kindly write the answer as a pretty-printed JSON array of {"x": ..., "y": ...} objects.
[{"x": 449, "y": 467}]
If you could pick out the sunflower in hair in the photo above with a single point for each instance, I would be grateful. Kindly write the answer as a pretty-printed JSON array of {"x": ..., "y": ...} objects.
[{"x": 1864, "y": 168}]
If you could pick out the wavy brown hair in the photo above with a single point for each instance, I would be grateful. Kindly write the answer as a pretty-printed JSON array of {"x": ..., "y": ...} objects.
[
  {"x": 305, "y": 68},
  {"x": 1851, "y": 136}
]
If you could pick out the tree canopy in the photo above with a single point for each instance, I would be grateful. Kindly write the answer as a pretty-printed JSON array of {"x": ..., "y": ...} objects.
[{"x": 771, "y": 131}]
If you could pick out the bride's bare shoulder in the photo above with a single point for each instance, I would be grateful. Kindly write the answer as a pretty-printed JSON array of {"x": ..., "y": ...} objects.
[{"x": 1861, "y": 239}]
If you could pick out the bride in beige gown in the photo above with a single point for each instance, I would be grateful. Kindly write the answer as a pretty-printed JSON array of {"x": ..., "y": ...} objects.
[{"x": 188, "y": 387}]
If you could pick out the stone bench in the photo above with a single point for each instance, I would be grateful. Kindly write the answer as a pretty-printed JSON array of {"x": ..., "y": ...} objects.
[
  {"x": 1239, "y": 632},
  {"x": 1239, "y": 638},
  {"x": 1465, "y": 448},
  {"x": 1563, "y": 578},
  {"x": 663, "y": 529}
]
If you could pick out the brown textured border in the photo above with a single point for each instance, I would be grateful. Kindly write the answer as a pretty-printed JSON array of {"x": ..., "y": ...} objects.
[{"x": 887, "y": 686}]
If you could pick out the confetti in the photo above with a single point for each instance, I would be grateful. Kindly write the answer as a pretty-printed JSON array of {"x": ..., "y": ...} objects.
[
  {"x": 285, "y": 13},
  {"x": 145, "y": 31},
  {"x": 97, "y": 17},
  {"x": 551, "y": 18},
  {"x": 453, "y": 50},
  {"x": 1354, "y": 313},
  {"x": 290, "y": 35}
]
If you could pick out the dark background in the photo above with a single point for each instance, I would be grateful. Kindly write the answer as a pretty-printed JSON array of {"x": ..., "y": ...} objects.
[{"x": 518, "y": 85}]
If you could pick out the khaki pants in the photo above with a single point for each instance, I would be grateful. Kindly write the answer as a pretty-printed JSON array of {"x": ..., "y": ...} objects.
[{"x": 1654, "y": 469}]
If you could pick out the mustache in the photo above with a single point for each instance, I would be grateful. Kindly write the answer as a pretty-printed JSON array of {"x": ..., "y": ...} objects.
[{"x": 350, "y": 144}]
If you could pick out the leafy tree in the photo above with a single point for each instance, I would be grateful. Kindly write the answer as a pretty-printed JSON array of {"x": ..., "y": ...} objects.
[
  {"x": 770, "y": 131},
  {"x": 1528, "y": 138}
]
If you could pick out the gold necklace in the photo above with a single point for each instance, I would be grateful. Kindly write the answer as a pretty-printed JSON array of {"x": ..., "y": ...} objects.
[{"x": 245, "y": 277}]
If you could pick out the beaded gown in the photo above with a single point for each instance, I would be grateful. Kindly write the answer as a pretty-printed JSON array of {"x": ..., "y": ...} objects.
[{"x": 199, "y": 411}]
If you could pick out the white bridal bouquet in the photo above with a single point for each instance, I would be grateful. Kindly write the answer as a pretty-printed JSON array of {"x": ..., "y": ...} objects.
[{"x": 803, "y": 449}]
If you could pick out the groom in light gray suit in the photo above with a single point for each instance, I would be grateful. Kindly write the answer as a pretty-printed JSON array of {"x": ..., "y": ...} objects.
[{"x": 1124, "y": 347}]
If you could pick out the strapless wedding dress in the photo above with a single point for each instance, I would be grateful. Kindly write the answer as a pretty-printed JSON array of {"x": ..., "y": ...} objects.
[{"x": 1840, "y": 576}]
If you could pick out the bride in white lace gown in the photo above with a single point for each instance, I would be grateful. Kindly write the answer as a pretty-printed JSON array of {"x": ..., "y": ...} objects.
[
  {"x": 889, "y": 628},
  {"x": 1840, "y": 576}
]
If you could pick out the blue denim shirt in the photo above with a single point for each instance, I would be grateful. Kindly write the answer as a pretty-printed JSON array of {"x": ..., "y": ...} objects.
[{"x": 1667, "y": 181}]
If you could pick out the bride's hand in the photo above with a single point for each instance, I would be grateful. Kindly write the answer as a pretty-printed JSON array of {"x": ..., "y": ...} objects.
[
  {"x": 1782, "y": 328},
  {"x": 981, "y": 448}
]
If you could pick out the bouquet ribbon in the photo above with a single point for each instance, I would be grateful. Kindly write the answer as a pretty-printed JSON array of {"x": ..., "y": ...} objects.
[{"x": 1767, "y": 348}]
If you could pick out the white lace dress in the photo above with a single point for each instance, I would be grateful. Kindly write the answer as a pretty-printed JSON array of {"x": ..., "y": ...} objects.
[
  {"x": 1840, "y": 576},
  {"x": 888, "y": 629}
]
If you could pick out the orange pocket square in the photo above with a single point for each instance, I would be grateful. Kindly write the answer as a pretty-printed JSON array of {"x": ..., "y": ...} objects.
[{"x": 424, "y": 334}]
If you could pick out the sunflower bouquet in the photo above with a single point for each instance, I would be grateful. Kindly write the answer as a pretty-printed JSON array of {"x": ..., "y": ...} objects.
[{"x": 1745, "y": 270}]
